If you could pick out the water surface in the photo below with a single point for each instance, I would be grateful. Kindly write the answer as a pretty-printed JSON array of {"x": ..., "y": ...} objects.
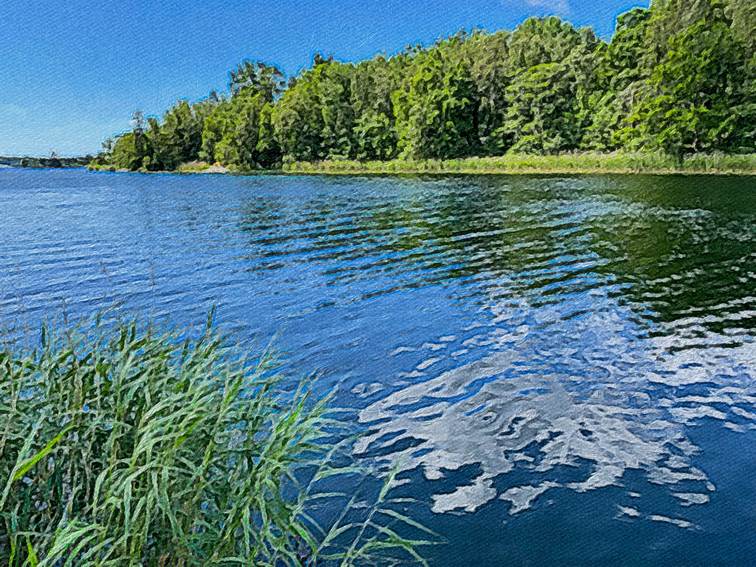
[{"x": 562, "y": 366}]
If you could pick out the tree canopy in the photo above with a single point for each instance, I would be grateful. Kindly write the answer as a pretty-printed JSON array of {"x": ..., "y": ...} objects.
[{"x": 678, "y": 77}]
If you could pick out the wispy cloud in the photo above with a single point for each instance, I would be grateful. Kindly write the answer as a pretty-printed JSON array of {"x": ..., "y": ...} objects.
[{"x": 555, "y": 6}]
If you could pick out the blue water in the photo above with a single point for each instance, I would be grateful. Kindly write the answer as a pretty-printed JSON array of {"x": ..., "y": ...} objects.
[{"x": 564, "y": 367}]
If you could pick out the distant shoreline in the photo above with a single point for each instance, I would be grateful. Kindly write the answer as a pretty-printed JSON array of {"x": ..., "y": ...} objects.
[{"x": 52, "y": 162}]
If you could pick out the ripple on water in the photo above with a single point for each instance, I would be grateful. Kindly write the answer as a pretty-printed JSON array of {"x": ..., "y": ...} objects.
[{"x": 551, "y": 334}]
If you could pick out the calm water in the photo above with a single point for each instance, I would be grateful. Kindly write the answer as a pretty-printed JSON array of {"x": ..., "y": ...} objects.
[{"x": 564, "y": 367}]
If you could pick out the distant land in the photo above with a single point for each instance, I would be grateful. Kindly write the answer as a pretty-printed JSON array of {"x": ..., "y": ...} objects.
[{"x": 44, "y": 162}]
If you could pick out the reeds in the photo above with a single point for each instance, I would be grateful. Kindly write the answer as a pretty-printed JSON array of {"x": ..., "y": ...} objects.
[
  {"x": 578, "y": 163},
  {"x": 130, "y": 447}
]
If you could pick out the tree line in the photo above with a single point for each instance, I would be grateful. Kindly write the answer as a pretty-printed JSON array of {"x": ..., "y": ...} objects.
[
  {"x": 678, "y": 78},
  {"x": 54, "y": 161}
]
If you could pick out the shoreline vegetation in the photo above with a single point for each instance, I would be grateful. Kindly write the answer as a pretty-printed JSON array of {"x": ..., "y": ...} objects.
[
  {"x": 565, "y": 164},
  {"x": 673, "y": 91},
  {"x": 581, "y": 164},
  {"x": 125, "y": 446}
]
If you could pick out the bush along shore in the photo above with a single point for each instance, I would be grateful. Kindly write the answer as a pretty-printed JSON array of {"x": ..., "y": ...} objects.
[
  {"x": 673, "y": 90},
  {"x": 123, "y": 446}
]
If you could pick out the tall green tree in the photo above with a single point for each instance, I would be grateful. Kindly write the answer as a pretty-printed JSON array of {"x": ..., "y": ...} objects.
[
  {"x": 131, "y": 150},
  {"x": 542, "y": 110},
  {"x": 315, "y": 119},
  {"x": 620, "y": 81},
  {"x": 553, "y": 77},
  {"x": 373, "y": 84},
  {"x": 217, "y": 122},
  {"x": 297, "y": 121},
  {"x": 694, "y": 89},
  {"x": 180, "y": 137},
  {"x": 333, "y": 84},
  {"x": 541, "y": 40},
  {"x": 436, "y": 109},
  {"x": 267, "y": 80},
  {"x": 491, "y": 72},
  {"x": 237, "y": 132}
]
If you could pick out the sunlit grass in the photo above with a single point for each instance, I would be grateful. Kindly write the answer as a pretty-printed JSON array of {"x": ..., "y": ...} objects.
[
  {"x": 193, "y": 167},
  {"x": 588, "y": 162},
  {"x": 126, "y": 446}
]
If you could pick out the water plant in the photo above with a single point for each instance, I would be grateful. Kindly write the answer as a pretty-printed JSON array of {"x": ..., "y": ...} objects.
[
  {"x": 121, "y": 445},
  {"x": 568, "y": 162}
]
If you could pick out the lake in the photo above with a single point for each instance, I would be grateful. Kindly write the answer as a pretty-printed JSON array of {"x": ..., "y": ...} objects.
[{"x": 563, "y": 367}]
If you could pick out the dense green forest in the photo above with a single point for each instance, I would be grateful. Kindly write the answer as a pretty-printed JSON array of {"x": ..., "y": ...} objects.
[{"x": 678, "y": 78}]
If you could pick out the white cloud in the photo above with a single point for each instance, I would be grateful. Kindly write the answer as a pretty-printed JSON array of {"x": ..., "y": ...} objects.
[{"x": 555, "y": 6}]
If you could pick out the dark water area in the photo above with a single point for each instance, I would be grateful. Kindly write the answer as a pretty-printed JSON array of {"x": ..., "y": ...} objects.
[{"x": 563, "y": 367}]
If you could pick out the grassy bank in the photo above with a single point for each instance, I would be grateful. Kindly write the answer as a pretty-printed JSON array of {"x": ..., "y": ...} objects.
[
  {"x": 128, "y": 447},
  {"x": 579, "y": 163},
  {"x": 573, "y": 163}
]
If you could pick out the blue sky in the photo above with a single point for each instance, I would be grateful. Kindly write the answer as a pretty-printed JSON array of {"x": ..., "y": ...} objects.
[{"x": 72, "y": 72}]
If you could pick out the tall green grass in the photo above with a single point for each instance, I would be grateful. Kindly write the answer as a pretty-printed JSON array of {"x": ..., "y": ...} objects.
[
  {"x": 579, "y": 162},
  {"x": 131, "y": 447}
]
